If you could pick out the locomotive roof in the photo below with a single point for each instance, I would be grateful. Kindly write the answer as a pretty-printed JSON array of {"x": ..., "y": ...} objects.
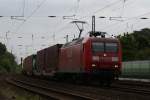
[
  {"x": 83, "y": 40},
  {"x": 104, "y": 39},
  {"x": 96, "y": 39}
]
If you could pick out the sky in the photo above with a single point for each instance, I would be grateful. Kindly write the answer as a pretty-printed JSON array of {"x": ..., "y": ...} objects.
[{"x": 26, "y": 28}]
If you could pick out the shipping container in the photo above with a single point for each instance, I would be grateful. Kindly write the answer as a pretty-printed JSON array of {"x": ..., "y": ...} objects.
[
  {"x": 40, "y": 61},
  {"x": 34, "y": 64},
  {"x": 48, "y": 59},
  {"x": 28, "y": 65},
  {"x": 51, "y": 59}
]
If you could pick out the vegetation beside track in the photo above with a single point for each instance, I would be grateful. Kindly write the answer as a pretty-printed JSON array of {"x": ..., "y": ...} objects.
[
  {"x": 7, "y": 61},
  {"x": 136, "y": 45}
]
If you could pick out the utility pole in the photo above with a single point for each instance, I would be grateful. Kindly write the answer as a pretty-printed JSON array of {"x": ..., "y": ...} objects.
[
  {"x": 11, "y": 49},
  {"x": 32, "y": 43},
  {"x": 7, "y": 40},
  {"x": 93, "y": 24},
  {"x": 67, "y": 38},
  {"x": 21, "y": 62},
  {"x": 53, "y": 38},
  {"x": 74, "y": 36}
]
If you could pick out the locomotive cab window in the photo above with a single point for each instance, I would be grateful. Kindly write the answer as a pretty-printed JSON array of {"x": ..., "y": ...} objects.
[
  {"x": 111, "y": 47},
  {"x": 97, "y": 47}
]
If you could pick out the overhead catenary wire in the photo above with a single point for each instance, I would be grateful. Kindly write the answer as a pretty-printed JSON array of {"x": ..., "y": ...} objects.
[
  {"x": 108, "y": 27},
  {"x": 106, "y": 6},
  {"x": 40, "y": 6},
  {"x": 33, "y": 12},
  {"x": 129, "y": 26},
  {"x": 23, "y": 8},
  {"x": 123, "y": 8},
  {"x": 127, "y": 2},
  {"x": 69, "y": 17},
  {"x": 127, "y": 19},
  {"x": 78, "y": 5}
]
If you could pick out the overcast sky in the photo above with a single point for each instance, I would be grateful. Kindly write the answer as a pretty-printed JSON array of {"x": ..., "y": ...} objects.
[{"x": 34, "y": 31}]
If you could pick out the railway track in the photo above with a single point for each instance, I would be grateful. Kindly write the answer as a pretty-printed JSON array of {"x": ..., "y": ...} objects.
[
  {"x": 133, "y": 83},
  {"x": 137, "y": 90},
  {"x": 81, "y": 92},
  {"x": 131, "y": 86},
  {"x": 52, "y": 93}
]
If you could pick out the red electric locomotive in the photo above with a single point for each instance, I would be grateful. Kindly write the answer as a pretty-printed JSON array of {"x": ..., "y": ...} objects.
[{"x": 91, "y": 58}]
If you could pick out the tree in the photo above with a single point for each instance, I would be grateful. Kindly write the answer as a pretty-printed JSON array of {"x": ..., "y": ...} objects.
[
  {"x": 7, "y": 60},
  {"x": 136, "y": 45},
  {"x": 2, "y": 49}
]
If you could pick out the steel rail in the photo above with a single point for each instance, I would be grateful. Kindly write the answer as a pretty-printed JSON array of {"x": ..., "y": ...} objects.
[
  {"x": 131, "y": 89},
  {"x": 49, "y": 92}
]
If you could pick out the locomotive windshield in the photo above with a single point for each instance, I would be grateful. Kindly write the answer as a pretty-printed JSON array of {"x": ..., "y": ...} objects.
[
  {"x": 104, "y": 47},
  {"x": 110, "y": 47},
  {"x": 98, "y": 47}
]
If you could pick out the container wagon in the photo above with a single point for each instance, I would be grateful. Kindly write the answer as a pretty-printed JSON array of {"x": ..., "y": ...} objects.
[
  {"x": 29, "y": 64},
  {"x": 47, "y": 60}
]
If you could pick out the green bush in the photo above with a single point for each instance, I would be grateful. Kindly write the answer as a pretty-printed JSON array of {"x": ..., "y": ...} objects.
[
  {"x": 136, "y": 45},
  {"x": 7, "y": 61}
]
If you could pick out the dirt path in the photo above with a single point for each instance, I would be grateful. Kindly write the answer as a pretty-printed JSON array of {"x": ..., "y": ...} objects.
[
  {"x": 3, "y": 97},
  {"x": 3, "y": 86}
]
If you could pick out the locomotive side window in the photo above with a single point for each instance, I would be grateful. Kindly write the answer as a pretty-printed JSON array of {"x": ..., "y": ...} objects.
[
  {"x": 111, "y": 47},
  {"x": 97, "y": 47}
]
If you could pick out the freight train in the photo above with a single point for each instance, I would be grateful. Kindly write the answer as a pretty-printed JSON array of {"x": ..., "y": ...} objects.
[{"x": 91, "y": 58}]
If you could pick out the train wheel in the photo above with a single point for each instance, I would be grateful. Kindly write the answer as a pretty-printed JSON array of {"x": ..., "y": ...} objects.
[
  {"x": 101, "y": 83},
  {"x": 74, "y": 79},
  {"x": 108, "y": 83}
]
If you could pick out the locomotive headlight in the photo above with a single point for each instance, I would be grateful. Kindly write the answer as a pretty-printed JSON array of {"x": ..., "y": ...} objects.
[
  {"x": 116, "y": 66},
  {"x": 93, "y": 65},
  {"x": 95, "y": 58},
  {"x": 114, "y": 58}
]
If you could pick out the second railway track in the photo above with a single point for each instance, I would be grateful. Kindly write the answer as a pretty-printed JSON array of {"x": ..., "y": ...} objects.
[{"x": 131, "y": 86}]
